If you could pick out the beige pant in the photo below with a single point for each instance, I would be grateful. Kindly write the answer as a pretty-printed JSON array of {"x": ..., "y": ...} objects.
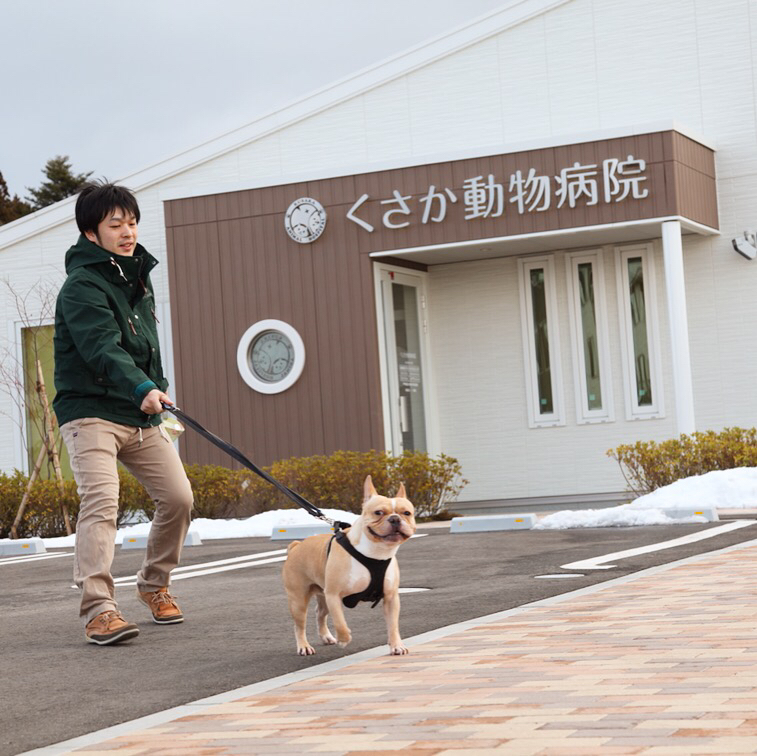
[{"x": 94, "y": 446}]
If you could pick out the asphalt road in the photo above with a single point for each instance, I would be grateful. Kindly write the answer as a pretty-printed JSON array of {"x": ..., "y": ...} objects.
[{"x": 238, "y": 630}]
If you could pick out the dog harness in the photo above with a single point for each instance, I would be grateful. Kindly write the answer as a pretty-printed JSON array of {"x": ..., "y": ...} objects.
[{"x": 377, "y": 567}]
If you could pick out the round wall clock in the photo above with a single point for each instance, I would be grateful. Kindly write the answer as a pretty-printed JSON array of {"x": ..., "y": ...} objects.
[
  {"x": 305, "y": 220},
  {"x": 270, "y": 356}
]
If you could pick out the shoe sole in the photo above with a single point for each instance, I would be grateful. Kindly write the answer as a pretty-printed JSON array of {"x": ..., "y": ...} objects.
[
  {"x": 170, "y": 621},
  {"x": 110, "y": 640}
]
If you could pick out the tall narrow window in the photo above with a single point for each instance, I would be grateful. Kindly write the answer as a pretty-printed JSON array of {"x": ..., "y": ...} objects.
[
  {"x": 643, "y": 386},
  {"x": 541, "y": 342},
  {"x": 588, "y": 318},
  {"x": 638, "y": 316}
]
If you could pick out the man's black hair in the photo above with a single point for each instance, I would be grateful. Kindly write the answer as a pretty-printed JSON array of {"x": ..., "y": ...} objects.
[{"x": 97, "y": 199}]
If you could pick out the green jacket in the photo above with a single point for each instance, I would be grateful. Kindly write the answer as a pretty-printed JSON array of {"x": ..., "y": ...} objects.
[{"x": 107, "y": 356}]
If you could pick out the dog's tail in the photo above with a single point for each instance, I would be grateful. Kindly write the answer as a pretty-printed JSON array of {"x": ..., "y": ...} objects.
[{"x": 292, "y": 545}]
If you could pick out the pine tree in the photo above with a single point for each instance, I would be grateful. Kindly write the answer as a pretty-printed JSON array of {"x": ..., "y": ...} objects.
[
  {"x": 61, "y": 183},
  {"x": 11, "y": 208}
]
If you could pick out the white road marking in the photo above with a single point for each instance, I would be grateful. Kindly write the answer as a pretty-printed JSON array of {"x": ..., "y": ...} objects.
[
  {"x": 221, "y": 565},
  {"x": 598, "y": 563},
  {"x": 413, "y": 590},
  {"x": 32, "y": 558},
  {"x": 561, "y": 575}
]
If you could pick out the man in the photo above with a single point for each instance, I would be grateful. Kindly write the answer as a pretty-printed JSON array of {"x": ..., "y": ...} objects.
[{"x": 110, "y": 385}]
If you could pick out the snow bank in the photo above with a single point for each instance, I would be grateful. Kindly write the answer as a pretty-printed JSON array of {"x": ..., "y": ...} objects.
[
  {"x": 257, "y": 526},
  {"x": 722, "y": 489}
]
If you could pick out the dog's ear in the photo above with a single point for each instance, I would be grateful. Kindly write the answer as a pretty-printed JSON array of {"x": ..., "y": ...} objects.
[
  {"x": 401, "y": 492},
  {"x": 368, "y": 489}
]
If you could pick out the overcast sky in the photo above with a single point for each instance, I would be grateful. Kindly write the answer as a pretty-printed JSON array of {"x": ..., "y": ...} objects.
[{"x": 119, "y": 86}]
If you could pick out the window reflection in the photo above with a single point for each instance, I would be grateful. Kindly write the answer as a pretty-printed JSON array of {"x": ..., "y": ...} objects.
[
  {"x": 639, "y": 330},
  {"x": 541, "y": 341}
]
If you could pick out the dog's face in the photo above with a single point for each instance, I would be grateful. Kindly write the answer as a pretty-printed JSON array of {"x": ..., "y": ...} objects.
[{"x": 387, "y": 520}]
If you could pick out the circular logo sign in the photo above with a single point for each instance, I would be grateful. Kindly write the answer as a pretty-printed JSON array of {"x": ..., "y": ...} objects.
[{"x": 305, "y": 220}]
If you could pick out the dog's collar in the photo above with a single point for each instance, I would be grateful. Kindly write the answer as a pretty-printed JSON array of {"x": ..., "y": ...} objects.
[{"x": 377, "y": 568}]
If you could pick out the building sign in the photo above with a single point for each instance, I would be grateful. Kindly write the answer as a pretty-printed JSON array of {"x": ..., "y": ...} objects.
[
  {"x": 541, "y": 190},
  {"x": 612, "y": 181}
]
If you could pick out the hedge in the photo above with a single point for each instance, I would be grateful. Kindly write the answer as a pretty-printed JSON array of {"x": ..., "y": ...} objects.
[
  {"x": 648, "y": 465},
  {"x": 330, "y": 482}
]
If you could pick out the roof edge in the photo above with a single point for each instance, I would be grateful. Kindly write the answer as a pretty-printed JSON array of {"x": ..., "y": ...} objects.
[{"x": 506, "y": 148}]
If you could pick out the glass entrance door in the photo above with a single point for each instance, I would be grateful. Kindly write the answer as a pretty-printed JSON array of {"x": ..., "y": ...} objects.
[{"x": 403, "y": 303}]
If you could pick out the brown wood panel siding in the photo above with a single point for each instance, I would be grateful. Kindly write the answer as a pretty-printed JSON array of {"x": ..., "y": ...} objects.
[
  {"x": 198, "y": 326},
  {"x": 695, "y": 185},
  {"x": 231, "y": 264},
  {"x": 246, "y": 269}
]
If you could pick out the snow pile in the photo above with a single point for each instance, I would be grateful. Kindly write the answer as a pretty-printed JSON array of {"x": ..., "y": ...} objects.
[
  {"x": 257, "y": 526},
  {"x": 722, "y": 489}
]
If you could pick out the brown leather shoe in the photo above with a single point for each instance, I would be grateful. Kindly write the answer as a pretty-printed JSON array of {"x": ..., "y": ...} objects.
[
  {"x": 165, "y": 610},
  {"x": 108, "y": 628}
]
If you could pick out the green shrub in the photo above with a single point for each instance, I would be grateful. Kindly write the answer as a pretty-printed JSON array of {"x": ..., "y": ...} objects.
[
  {"x": 430, "y": 483},
  {"x": 333, "y": 482},
  {"x": 336, "y": 481},
  {"x": 218, "y": 491},
  {"x": 43, "y": 516},
  {"x": 648, "y": 465},
  {"x": 12, "y": 489}
]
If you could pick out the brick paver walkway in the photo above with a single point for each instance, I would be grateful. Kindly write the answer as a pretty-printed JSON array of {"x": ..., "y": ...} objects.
[{"x": 662, "y": 664}]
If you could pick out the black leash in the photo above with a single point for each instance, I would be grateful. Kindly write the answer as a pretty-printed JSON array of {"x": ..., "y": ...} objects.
[{"x": 232, "y": 451}]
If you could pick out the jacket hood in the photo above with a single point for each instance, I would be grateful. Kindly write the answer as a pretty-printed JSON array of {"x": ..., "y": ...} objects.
[{"x": 85, "y": 252}]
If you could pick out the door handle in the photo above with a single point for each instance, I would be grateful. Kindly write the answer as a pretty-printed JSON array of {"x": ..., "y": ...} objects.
[{"x": 404, "y": 415}]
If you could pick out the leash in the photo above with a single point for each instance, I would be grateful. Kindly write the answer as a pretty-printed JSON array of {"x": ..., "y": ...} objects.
[{"x": 232, "y": 451}]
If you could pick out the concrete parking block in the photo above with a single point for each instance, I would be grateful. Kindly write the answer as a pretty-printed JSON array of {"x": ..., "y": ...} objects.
[
  {"x": 296, "y": 532},
  {"x": 140, "y": 542},
  {"x": 22, "y": 546},
  {"x": 484, "y": 523}
]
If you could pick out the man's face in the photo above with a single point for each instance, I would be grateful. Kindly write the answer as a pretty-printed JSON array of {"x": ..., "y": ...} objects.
[{"x": 116, "y": 233}]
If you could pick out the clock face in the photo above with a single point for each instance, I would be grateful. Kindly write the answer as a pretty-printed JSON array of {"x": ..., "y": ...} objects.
[
  {"x": 272, "y": 356},
  {"x": 305, "y": 220}
]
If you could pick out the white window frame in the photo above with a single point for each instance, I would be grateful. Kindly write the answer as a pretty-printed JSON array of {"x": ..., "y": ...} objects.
[
  {"x": 635, "y": 411},
  {"x": 585, "y": 415},
  {"x": 243, "y": 351},
  {"x": 557, "y": 416},
  {"x": 388, "y": 380}
]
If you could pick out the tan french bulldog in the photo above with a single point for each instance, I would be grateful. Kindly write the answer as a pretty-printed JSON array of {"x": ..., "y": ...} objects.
[{"x": 322, "y": 566}]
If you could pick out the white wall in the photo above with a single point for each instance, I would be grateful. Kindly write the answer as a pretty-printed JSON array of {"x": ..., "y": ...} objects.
[{"x": 478, "y": 364}]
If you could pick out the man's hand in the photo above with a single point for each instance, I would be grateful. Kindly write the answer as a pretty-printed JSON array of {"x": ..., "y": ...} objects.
[{"x": 151, "y": 404}]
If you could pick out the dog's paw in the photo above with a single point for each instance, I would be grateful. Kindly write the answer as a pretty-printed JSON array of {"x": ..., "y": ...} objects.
[
  {"x": 343, "y": 639},
  {"x": 398, "y": 650},
  {"x": 305, "y": 650},
  {"x": 328, "y": 639}
]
